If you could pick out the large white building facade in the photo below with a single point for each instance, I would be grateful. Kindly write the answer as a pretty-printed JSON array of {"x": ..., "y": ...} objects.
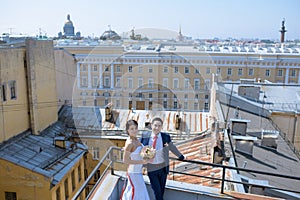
[{"x": 170, "y": 76}]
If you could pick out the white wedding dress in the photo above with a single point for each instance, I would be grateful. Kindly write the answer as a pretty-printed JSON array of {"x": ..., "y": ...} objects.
[{"x": 136, "y": 187}]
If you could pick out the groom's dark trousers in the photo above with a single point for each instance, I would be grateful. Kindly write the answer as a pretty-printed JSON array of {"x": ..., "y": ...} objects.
[{"x": 158, "y": 180}]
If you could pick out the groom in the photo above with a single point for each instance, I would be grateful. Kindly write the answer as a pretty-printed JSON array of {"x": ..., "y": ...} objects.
[{"x": 158, "y": 169}]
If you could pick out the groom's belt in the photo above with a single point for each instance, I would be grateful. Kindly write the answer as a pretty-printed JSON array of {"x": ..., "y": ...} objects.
[{"x": 159, "y": 165}]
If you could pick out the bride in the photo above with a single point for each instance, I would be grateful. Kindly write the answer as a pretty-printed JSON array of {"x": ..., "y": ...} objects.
[{"x": 136, "y": 187}]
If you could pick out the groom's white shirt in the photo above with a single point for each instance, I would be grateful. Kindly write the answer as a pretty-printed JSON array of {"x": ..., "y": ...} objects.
[{"x": 159, "y": 156}]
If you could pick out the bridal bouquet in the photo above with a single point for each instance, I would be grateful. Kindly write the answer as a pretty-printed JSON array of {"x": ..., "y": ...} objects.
[{"x": 147, "y": 152}]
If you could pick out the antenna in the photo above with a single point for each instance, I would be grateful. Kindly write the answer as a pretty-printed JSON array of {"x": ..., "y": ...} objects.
[{"x": 10, "y": 30}]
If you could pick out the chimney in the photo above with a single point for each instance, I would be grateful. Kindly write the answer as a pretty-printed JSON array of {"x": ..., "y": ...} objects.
[
  {"x": 244, "y": 144},
  {"x": 268, "y": 138},
  {"x": 60, "y": 141},
  {"x": 239, "y": 126}
]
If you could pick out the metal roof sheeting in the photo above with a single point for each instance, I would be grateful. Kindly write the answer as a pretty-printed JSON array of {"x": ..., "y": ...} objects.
[{"x": 39, "y": 153}]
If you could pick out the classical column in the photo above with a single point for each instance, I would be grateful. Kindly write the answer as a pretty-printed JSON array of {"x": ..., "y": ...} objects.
[
  {"x": 287, "y": 71},
  {"x": 78, "y": 75},
  {"x": 100, "y": 76},
  {"x": 89, "y": 76},
  {"x": 112, "y": 76}
]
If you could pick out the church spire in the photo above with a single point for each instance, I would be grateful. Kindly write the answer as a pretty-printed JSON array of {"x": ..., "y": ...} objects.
[{"x": 180, "y": 36}]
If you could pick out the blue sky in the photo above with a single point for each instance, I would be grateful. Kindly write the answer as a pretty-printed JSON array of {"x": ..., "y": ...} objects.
[{"x": 197, "y": 18}]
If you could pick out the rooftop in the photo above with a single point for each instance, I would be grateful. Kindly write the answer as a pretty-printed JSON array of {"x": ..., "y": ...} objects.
[
  {"x": 39, "y": 154},
  {"x": 92, "y": 118}
]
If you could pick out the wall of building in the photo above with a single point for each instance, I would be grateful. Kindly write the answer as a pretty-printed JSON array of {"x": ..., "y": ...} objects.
[
  {"x": 30, "y": 185},
  {"x": 65, "y": 66},
  {"x": 92, "y": 63},
  {"x": 25, "y": 183},
  {"x": 14, "y": 116},
  {"x": 41, "y": 84},
  {"x": 97, "y": 147},
  {"x": 72, "y": 180},
  {"x": 289, "y": 123}
]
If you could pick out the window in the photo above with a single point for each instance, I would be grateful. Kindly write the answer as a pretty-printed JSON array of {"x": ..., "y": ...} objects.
[
  {"x": 84, "y": 82},
  {"x": 150, "y": 95},
  {"x": 175, "y": 104},
  {"x": 185, "y": 105},
  {"x": 79, "y": 173},
  {"x": 240, "y": 72},
  {"x": 140, "y": 69},
  {"x": 219, "y": 70},
  {"x": 250, "y": 72},
  {"x": 207, "y": 70},
  {"x": 3, "y": 91},
  {"x": 95, "y": 153},
  {"x": 196, "y": 84},
  {"x": 95, "y": 68},
  {"x": 165, "y": 104},
  {"x": 66, "y": 189},
  {"x": 207, "y": 84},
  {"x": 186, "y": 83},
  {"x": 150, "y": 105},
  {"x": 97, "y": 176},
  {"x": 196, "y": 96},
  {"x": 206, "y": 106},
  {"x": 195, "y": 106},
  {"x": 58, "y": 194},
  {"x": 267, "y": 74},
  {"x": 130, "y": 83},
  {"x": 118, "y": 81},
  {"x": 165, "y": 82},
  {"x": 107, "y": 68},
  {"x": 293, "y": 73},
  {"x": 12, "y": 86},
  {"x": 84, "y": 67},
  {"x": 118, "y": 68},
  {"x": 10, "y": 196},
  {"x": 130, "y": 69},
  {"x": 175, "y": 69},
  {"x": 229, "y": 71},
  {"x": 140, "y": 82},
  {"x": 73, "y": 180},
  {"x": 95, "y": 81},
  {"x": 150, "y": 69},
  {"x": 118, "y": 104},
  {"x": 106, "y": 82},
  {"x": 186, "y": 70},
  {"x": 150, "y": 83},
  {"x": 105, "y": 102},
  {"x": 197, "y": 70},
  {"x": 175, "y": 83},
  {"x": 165, "y": 69},
  {"x": 206, "y": 96},
  {"x": 186, "y": 96},
  {"x": 279, "y": 72},
  {"x": 165, "y": 95}
]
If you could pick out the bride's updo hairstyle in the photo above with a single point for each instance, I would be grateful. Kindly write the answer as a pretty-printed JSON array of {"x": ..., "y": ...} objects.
[{"x": 129, "y": 123}]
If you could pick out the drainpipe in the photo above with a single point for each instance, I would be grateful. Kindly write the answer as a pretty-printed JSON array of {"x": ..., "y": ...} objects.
[{"x": 295, "y": 127}]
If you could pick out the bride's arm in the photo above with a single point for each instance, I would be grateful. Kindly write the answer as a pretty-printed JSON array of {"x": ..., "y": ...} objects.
[{"x": 127, "y": 151}]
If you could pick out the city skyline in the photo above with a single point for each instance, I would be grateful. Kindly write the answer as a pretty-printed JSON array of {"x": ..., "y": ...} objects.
[{"x": 197, "y": 19}]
